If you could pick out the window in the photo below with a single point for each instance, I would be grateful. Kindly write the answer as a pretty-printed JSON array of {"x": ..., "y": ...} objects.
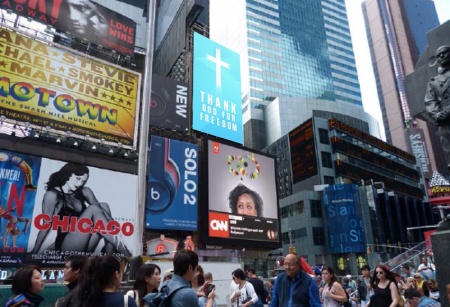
[
  {"x": 316, "y": 208},
  {"x": 319, "y": 235},
  {"x": 326, "y": 159},
  {"x": 323, "y": 136},
  {"x": 299, "y": 207},
  {"x": 328, "y": 180}
]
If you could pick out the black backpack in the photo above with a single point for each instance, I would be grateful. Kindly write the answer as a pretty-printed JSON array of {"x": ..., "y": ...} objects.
[
  {"x": 161, "y": 299},
  {"x": 362, "y": 290}
]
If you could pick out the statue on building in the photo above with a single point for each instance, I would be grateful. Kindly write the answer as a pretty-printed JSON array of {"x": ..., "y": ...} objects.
[{"x": 437, "y": 99}]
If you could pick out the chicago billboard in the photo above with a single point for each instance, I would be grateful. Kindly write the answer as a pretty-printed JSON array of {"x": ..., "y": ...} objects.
[
  {"x": 83, "y": 19},
  {"x": 169, "y": 104},
  {"x": 242, "y": 197},
  {"x": 344, "y": 219},
  {"x": 48, "y": 86},
  {"x": 51, "y": 209},
  {"x": 172, "y": 185},
  {"x": 216, "y": 97}
]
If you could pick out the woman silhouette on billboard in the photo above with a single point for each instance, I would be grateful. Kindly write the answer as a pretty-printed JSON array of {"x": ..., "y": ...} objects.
[{"x": 67, "y": 195}]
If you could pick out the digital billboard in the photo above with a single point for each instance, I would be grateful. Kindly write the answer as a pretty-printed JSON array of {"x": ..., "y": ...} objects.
[
  {"x": 344, "y": 219},
  {"x": 52, "y": 87},
  {"x": 242, "y": 197},
  {"x": 169, "y": 106},
  {"x": 51, "y": 209},
  {"x": 172, "y": 185},
  {"x": 83, "y": 19},
  {"x": 303, "y": 152},
  {"x": 216, "y": 96}
]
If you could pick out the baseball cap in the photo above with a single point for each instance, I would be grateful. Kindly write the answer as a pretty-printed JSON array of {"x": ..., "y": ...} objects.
[
  {"x": 349, "y": 276},
  {"x": 167, "y": 272}
]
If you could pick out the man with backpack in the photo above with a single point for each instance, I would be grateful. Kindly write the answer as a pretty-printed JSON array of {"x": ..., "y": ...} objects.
[
  {"x": 365, "y": 290},
  {"x": 177, "y": 292}
]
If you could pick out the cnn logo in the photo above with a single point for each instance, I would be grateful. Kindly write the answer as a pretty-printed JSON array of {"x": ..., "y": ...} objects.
[{"x": 219, "y": 225}]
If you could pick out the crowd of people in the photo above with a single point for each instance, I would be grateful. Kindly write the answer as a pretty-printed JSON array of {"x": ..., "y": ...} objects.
[{"x": 96, "y": 281}]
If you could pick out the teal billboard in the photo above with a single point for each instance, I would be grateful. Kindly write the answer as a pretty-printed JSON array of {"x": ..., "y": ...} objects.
[{"x": 217, "y": 106}]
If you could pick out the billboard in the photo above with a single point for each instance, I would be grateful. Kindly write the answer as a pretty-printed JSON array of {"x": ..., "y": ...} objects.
[
  {"x": 49, "y": 86},
  {"x": 169, "y": 106},
  {"x": 419, "y": 150},
  {"x": 303, "y": 152},
  {"x": 242, "y": 197},
  {"x": 172, "y": 185},
  {"x": 344, "y": 219},
  {"x": 51, "y": 209},
  {"x": 216, "y": 97},
  {"x": 83, "y": 19}
]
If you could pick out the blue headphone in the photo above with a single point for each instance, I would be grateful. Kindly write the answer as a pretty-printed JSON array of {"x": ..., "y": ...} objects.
[{"x": 164, "y": 177}]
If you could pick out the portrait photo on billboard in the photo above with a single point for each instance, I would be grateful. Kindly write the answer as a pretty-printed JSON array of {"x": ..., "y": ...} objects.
[
  {"x": 19, "y": 175},
  {"x": 172, "y": 185},
  {"x": 242, "y": 194},
  {"x": 78, "y": 211},
  {"x": 169, "y": 104}
]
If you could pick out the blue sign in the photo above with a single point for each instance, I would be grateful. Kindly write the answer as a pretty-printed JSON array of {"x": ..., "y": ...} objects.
[
  {"x": 217, "y": 105},
  {"x": 344, "y": 219},
  {"x": 172, "y": 185}
]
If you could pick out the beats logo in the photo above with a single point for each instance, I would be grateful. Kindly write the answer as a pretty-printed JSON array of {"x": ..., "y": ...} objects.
[
  {"x": 219, "y": 225},
  {"x": 164, "y": 177}
]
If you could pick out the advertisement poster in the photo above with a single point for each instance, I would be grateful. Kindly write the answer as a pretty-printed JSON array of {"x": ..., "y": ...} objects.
[
  {"x": 172, "y": 186},
  {"x": 51, "y": 87},
  {"x": 303, "y": 152},
  {"x": 19, "y": 175},
  {"x": 344, "y": 219},
  {"x": 169, "y": 104},
  {"x": 242, "y": 194},
  {"x": 216, "y": 97},
  {"x": 83, "y": 19}
]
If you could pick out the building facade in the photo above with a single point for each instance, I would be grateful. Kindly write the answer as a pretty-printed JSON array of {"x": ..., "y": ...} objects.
[
  {"x": 397, "y": 36},
  {"x": 386, "y": 193}
]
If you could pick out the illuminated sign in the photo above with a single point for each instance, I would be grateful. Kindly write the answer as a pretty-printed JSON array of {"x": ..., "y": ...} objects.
[
  {"x": 48, "y": 86},
  {"x": 216, "y": 97},
  {"x": 86, "y": 20},
  {"x": 242, "y": 196},
  {"x": 344, "y": 219},
  {"x": 303, "y": 152}
]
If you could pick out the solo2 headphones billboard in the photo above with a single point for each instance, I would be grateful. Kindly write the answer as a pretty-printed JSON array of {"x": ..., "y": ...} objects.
[
  {"x": 172, "y": 185},
  {"x": 242, "y": 197}
]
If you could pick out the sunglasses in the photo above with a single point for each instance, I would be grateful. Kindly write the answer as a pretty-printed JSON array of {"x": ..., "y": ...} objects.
[
  {"x": 416, "y": 277},
  {"x": 379, "y": 272}
]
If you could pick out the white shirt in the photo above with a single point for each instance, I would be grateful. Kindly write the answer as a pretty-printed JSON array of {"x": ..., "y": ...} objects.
[{"x": 246, "y": 291}]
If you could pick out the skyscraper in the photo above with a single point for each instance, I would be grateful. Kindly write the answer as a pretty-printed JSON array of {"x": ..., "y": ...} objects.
[
  {"x": 292, "y": 53},
  {"x": 397, "y": 35}
]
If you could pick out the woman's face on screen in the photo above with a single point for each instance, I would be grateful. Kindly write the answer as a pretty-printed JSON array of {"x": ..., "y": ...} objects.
[{"x": 246, "y": 205}]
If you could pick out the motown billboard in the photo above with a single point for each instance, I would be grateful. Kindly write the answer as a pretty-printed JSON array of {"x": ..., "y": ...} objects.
[
  {"x": 86, "y": 20},
  {"x": 52, "y": 87},
  {"x": 51, "y": 209},
  {"x": 216, "y": 97},
  {"x": 172, "y": 185}
]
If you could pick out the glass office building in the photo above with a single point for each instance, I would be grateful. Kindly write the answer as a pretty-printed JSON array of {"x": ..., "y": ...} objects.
[{"x": 290, "y": 51}]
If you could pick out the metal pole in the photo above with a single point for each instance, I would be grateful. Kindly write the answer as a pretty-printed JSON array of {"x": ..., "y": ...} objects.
[{"x": 144, "y": 129}]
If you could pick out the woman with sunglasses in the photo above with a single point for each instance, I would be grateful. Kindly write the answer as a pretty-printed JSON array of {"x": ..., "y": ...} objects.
[
  {"x": 244, "y": 294},
  {"x": 385, "y": 288},
  {"x": 421, "y": 285},
  {"x": 433, "y": 287}
]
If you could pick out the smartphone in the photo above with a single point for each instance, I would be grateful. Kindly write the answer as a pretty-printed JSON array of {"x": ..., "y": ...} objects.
[{"x": 209, "y": 289}]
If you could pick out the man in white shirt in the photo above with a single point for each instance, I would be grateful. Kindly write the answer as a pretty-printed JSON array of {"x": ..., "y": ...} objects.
[{"x": 426, "y": 269}]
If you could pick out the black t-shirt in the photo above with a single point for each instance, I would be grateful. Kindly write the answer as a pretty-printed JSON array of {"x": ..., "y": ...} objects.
[
  {"x": 258, "y": 284},
  {"x": 115, "y": 299}
]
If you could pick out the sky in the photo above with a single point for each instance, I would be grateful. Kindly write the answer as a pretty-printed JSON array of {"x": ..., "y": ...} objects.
[{"x": 362, "y": 54}]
